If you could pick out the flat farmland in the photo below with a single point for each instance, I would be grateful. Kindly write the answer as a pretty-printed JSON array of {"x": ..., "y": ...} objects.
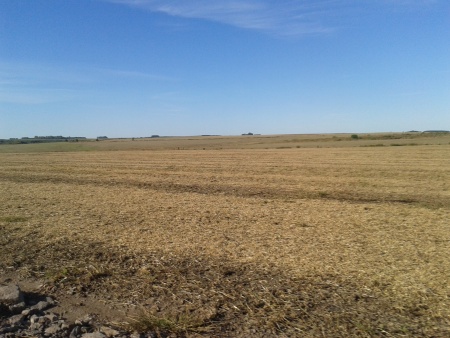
[{"x": 230, "y": 241}]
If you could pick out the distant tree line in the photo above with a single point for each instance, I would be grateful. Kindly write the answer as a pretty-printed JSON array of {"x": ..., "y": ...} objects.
[{"x": 41, "y": 139}]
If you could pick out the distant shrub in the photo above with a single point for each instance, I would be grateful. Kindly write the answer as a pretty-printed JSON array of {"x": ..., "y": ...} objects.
[{"x": 354, "y": 137}]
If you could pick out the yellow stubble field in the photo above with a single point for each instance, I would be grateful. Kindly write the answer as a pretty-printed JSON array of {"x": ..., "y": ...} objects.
[{"x": 287, "y": 242}]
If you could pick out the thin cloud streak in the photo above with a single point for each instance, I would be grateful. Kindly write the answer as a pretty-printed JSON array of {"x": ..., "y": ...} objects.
[{"x": 281, "y": 17}]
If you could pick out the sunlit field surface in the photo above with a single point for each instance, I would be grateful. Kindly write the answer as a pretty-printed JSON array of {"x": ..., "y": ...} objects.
[{"x": 228, "y": 238}]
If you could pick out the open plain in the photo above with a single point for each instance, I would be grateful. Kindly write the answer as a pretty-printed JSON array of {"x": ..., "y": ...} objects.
[{"x": 256, "y": 236}]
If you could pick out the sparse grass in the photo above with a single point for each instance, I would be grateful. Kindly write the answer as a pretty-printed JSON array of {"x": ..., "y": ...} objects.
[{"x": 182, "y": 324}]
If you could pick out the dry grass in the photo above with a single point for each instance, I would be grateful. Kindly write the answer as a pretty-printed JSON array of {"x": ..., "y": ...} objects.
[
  {"x": 329, "y": 242},
  {"x": 237, "y": 142}
]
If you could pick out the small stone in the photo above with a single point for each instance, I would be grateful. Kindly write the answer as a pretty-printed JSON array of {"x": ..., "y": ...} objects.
[
  {"x": 86, "y": 320},
  {"x": 51, "y": 316},
  {"x": 93, "y": 335},
  {"x": 41, "y": 306},
  {"x": 30, "y": 312},
  {"x": 10, "y": 295},
  {"x": 34, "y": 318},
  {"x": 50, "y": 300},
  {"x": 76, "y": 332},
  {"x": 52, "y": 330},
  {"x": 109, "y": 332},
  {"x": 43, "y": 320},
  {"x": 136, "y": 335},
  {"x": 36, "y": 327}
]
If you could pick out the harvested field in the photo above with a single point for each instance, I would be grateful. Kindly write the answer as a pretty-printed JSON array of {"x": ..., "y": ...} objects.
[{"x": 300, "y": 242}]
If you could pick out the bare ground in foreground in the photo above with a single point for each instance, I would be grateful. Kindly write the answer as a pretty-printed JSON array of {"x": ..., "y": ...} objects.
[{"x": 335, "y": 242}]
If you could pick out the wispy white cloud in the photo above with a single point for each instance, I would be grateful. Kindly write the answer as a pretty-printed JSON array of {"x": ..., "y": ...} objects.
[{"x": 280, "y": 17}]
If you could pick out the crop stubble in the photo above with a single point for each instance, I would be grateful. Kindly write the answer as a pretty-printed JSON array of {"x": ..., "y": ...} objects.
[{"x": 309, "y": 242}]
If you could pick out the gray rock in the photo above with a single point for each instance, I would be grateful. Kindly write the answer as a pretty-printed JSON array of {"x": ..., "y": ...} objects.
[
  {"x": 93, "y": 335},
  {"x": 76, "y": 332},
  {"x": 86, "y": 320},
  {"x": 36, "y": 327},
  {"x": 10, "y": 295},
  {"x": 51, "y": 316},
  {"x": 41, "y": 306},
  {"x": 34, "y": 318},
  {"x": 50, "y": 300},
  {"x": 35, "y": 321},
  {"x": 136, "y": 335},
  {"x": 51, "y": 330},
  {"x": 65, "y": 326},
  {"x": 44, "y": 320},
  {"x": 109, "y": 332}
]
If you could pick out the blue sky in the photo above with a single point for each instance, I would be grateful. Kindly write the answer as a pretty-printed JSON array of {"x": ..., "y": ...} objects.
[{"x": 126, "y": 68}]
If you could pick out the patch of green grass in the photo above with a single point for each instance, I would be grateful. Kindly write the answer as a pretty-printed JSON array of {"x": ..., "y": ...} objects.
[
  {"x": 323, "y": 194},
  {"x": 61, "y": 274}
]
